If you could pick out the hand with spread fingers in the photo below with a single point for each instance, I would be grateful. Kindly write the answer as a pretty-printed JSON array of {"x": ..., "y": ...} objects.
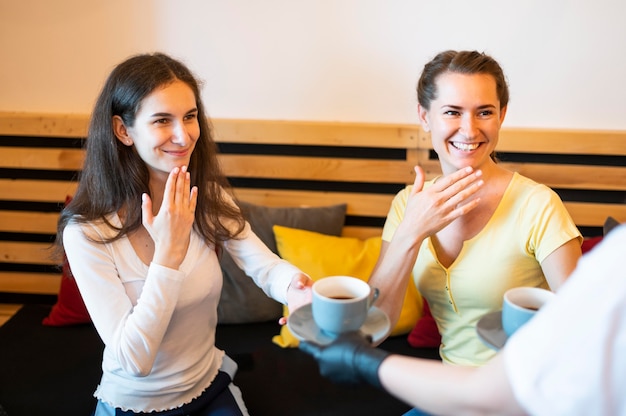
[
  {"x": 431, "y": 209},
  {"x": 171, "y": 226}
]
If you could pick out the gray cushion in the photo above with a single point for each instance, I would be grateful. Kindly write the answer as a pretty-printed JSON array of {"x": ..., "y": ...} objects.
[
  {"x": 609, "y": 224},
  {"x": 242, "y": 300}
]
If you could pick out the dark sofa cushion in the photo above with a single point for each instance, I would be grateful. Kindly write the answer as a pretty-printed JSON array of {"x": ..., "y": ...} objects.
[{"x": 242, "y": 301}]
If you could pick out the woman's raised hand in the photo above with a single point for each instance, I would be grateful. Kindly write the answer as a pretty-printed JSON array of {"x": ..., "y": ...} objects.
[
  {"x": 299, "y": 294},
  {"x": 171, "y": 227},
  {"x": 431, "y": 209}
]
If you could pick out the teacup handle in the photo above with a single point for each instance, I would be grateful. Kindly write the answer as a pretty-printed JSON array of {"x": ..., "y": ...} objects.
[{"x": 373, "y": 297}]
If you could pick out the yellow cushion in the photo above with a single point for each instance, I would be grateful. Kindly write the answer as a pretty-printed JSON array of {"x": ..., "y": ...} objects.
[{"x": 321, "y": 255}]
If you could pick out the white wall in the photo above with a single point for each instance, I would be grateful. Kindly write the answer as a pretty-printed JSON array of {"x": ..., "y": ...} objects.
[{"x": 334, "y": 60}]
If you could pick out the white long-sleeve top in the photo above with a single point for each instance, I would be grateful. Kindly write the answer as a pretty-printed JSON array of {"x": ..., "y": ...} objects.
[{"x": 158, "y": 324}]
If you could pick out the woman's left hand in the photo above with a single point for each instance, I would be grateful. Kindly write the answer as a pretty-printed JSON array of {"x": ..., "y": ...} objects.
[
  {"x": 298, "y": 294},
  {"x": 170, "y": 228}
]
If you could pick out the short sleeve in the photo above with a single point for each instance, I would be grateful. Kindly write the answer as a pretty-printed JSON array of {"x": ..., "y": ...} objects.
[{"x": 551, "y": 226}]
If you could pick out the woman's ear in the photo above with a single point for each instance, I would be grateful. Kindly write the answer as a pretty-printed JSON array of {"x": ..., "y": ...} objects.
[
  {"x": 503, "y": 114},
  {"x": 121, "y": 132},
  {"x": 422, "y": 113}
]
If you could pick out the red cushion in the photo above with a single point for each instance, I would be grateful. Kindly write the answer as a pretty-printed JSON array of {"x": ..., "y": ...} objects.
[
  {"x": 425, "y": 333},
  {"x": 69, "y": 308},
  {"x": 589, "y": 243}
]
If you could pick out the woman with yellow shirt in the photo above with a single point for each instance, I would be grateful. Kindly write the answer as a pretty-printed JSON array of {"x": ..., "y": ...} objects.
[{"x": 466, "y": 249}]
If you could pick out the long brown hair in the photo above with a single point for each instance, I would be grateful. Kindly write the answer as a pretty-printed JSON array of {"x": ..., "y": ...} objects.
[{"x": 114, "y": 176}]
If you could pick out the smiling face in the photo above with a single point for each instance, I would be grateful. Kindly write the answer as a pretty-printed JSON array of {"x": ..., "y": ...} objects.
[
  {"x": 464, "y": 120},
  {"x": 165, "y": 130}
]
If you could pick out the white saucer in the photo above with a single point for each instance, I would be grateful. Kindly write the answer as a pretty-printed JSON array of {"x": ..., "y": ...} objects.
[
  {"x": 303, "y": 327},
  {"x": 490, "y": 331}
]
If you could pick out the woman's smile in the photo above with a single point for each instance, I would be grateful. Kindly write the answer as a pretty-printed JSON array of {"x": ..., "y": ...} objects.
[
  {"x": 466, "y": 147},
  {"x": 178, "y": 152}
]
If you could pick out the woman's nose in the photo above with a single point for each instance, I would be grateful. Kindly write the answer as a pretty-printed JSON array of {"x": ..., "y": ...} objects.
[
  {"x": 180, "y": 135},
  {"x": 469, "y": 126}
]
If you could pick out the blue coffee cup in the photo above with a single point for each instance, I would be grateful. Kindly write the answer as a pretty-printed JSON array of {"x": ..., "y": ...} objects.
[
  {"x": 341, "y": 303},
  {"x": 520, "y": 305}
]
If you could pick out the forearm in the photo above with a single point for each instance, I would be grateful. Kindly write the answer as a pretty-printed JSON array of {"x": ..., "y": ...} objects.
[
  {"x": 428, "y": 385},
  {"x": 392, "y": 273},
  {"x": 439, "y": 388},
  {"x": 271, "y": 273}
]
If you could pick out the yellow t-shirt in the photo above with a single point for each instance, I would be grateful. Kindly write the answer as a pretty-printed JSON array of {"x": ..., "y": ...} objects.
[{"x": 529, "y": 223}]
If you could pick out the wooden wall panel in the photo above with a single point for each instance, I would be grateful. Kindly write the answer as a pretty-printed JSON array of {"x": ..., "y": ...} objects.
[{"x": 289, "y": 163}]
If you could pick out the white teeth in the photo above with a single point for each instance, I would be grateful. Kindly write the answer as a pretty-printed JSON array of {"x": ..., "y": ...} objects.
[{"x": 466, "y": 146}]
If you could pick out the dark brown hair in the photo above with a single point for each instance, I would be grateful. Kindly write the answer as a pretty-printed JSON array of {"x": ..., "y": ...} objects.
[
  {"x": 114, "y": 176},
  {"x": 462, "y": 62}
]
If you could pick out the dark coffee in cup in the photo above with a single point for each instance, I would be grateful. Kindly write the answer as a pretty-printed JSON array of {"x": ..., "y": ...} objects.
[
  {"x": 530, "y": 308},
  {"x": 520, "y": 305},
  {"x": 341, "y": 303}
]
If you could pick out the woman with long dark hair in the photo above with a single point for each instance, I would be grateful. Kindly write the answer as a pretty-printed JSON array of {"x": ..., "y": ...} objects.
[{"x": 142, "y": 234}]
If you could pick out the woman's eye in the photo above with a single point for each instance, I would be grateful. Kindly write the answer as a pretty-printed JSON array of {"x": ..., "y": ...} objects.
[
  {"x": 486, "y": 113},
  {"x": 451, "y": 113},
  {"x": 191, "y": 116},
  {"x": 161, "y": 121}
]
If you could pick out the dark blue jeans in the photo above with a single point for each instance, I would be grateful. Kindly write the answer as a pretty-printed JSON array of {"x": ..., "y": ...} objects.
[
  {"x": 415, "y": 412},
  {"x": 217, "y": 400}
]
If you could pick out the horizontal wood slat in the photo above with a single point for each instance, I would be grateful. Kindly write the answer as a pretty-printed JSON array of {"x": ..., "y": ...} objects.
[
  {"x": 317, "y": 168},
  {"x": 594, "y": 214},
  {"x": 36, "y": 190},
  {"x": 589, "y": 142},
  {"x": 608, "y": 178},
  {"x": 34, "y": 158},
  {"x": 44, "y": 125},
  {"x": 32, "y": 283},
  {"x": 544, "y": 141},
  {"x": 573, "y": 176},
  {"x": 234, "y": 130},
  {"x": 26, "y": 253},
  {"x": 315, "y": 133},
  {"x": 29, "y": 222},
  {"x": 557, "y": 141}
]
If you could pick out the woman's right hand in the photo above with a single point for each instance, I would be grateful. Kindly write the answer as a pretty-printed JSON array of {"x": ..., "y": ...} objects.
[
  {"x": 431, "y": 209},
  {"x": 171, "y": 227}
]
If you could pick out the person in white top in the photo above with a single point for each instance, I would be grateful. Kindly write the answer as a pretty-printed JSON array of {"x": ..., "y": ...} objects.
[
  {"x": 142, "y": 235},
  {"x": 569, "y": 360}
]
